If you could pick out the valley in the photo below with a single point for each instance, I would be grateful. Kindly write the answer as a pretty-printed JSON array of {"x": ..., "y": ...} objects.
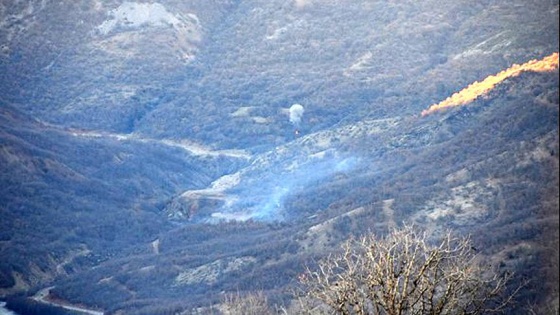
[{"x": 157, "y": 157}]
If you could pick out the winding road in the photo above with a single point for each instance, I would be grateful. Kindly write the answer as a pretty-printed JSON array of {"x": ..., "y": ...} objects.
[{"x": 43, "y": 297}]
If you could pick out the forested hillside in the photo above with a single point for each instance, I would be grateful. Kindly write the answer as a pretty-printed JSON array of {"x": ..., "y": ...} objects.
[{"x": 150, "y": 162}]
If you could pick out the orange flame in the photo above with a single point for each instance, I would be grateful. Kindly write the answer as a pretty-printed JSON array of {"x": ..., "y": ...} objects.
[{"x": 476, "y": 89}]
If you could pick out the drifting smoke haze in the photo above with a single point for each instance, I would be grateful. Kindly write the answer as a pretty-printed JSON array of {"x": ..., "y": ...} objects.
[
  {"x": 299, "y": 180},
  {"x": 477, "y": 89},
  {"x": 264, "y": 200}
]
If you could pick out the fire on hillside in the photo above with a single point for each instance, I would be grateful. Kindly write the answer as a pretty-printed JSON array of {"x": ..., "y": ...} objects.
[{"x": 476, "y": 89}]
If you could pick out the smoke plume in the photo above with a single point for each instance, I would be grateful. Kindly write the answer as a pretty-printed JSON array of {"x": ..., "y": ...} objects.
[
  {"x": 477, "y": 89},
  {"x": 296, "y": 112},
  {"x": 265, "y": 201}
]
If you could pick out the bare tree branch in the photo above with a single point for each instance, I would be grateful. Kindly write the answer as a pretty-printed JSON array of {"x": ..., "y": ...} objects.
[{"x": 403, "y": 273}]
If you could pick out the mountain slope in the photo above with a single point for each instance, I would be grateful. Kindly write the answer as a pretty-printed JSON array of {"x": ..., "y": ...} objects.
[
  {"x": 183, "y": 72},
  {"x": 499, "y": 186},
  {"x": 64, "y": 193},
  {"x": 148, "y": 164}
]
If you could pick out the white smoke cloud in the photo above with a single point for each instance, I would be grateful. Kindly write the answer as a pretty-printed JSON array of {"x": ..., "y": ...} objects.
[
  {"x": 301, "y": 3},
  {"x": 266, "y": 201},
  {"x": 296, "y": 112}
]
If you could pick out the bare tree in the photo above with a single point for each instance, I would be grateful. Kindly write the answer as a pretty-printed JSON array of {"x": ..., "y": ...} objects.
[
  {"x": 254, "y": 303},
  {"x": 402, "y": 273}
]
